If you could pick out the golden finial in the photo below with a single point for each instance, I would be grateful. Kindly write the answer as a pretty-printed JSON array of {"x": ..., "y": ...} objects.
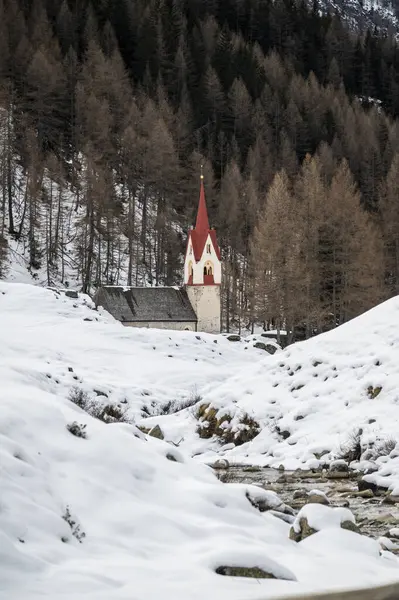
[{"x": 202, "y": 172}]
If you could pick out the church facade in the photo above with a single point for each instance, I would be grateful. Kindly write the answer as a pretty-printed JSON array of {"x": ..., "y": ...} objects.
[{"x": 195, "y": 307}]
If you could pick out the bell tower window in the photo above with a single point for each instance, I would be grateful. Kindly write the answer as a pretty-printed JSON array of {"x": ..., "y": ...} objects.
[
  {"x": 208, "y": 248},
  {"x": 208, "y": 268}
]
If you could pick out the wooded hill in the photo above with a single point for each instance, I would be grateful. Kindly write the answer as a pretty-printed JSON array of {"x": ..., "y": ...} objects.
[{"x": 109, "y": 107}]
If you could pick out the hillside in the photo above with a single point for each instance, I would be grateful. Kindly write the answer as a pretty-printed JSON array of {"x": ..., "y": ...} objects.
[
  {"x": 283, "y": 104},
  {"x": 312, "y": 399},
  {"x": 113, "y": 513}
]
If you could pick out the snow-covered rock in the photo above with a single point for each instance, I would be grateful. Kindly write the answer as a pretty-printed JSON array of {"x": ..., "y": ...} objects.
[{"x": 316, "y": 517}]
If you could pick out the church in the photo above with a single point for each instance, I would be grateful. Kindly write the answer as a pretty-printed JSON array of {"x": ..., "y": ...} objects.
[{"x": 194, "y": 307}]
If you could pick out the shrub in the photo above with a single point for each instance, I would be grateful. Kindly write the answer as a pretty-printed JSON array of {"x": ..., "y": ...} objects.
[
  {"x": 248, "y": 431},
  {"x": 110, "y": 413},
  {"x": 75, "y": 528},
  {"x": 382, "y": 448},
  {"x": 79, "y": 397},
  {"x": 373, "y": 392},
  {"x": 210, "y": 425},
  {"x": 352, "y": 448},
  {"x": 77, "y": 429}
]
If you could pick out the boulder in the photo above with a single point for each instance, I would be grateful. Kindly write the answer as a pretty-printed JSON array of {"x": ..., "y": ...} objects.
[
  {"x": 71, "y": 294},
  {"x": 254, "y": 572},
  {"x": 339, "y": 466},
  {"x": 234, "y": 338},
  {"x": 222, "y": 463},
  {"x": 364, "y": 494},
  {"x": 390, "y": 499},
  {"x": 272, "y": 570},
  {"x": 157, "y": 433},
  {"x": 313, "y": 518},
  {"x": 304, "y": 530},
  {"x": 363, "y": 485},
  {"x": 299, "y": 494},
  {"x": 266, "y": 347},
  {"x": 271, "y": 349},
  {"x": 317, "y": 497},
  {"x": 265, "y": 500}
]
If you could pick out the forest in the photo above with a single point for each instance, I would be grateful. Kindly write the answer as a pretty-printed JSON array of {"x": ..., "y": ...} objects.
[{"x": 109, "y": 107}]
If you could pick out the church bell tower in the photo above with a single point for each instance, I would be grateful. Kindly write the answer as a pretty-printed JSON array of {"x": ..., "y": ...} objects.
[{"x": 203, "y": 270}]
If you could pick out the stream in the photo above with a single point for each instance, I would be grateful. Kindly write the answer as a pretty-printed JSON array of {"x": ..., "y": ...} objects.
[{"x": 375, "y": 516}]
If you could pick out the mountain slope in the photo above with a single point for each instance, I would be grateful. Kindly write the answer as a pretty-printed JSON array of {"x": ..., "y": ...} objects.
[{"x": 117, "y": 514}]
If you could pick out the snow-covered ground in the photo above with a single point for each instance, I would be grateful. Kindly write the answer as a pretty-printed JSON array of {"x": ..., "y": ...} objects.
[
  {"x": 311, "y": 398},
  {"x": 120, "y": 515}
]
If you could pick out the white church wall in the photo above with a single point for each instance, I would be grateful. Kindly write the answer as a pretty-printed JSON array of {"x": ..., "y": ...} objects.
[{"x": 205, "y": 300}]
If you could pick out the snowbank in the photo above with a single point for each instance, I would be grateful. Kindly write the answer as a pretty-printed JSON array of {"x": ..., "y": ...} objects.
[{"x": 115, "y": 514}]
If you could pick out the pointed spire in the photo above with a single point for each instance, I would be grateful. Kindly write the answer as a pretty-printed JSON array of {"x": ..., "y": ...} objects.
[{"x": 202, "y": 222}]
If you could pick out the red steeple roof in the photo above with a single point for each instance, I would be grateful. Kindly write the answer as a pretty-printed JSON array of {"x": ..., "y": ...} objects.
[
  {"x": 200, "y": 233},
  {"x": 202, "y": 222}
]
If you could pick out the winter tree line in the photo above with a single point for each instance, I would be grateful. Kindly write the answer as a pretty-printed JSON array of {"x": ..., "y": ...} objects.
[{"x": 108, "y": 109}]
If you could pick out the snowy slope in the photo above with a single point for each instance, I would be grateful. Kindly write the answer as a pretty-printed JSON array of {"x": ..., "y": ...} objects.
[
  {"x": 361, "y": 15},
  {"x": 154, "y": 528},
  {"x": 316, "y": 394}
]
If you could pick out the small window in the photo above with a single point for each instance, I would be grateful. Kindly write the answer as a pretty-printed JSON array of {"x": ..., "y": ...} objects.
[
  {"x": 191, "y": 250},
  {"x": 208, "y": 248}
]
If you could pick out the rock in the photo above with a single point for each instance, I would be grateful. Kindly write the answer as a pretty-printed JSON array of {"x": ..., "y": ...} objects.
[
  {"x": 254, "y": 572},
  {"x": 298, "y": 494},
  {"x": 363, "y": 485},
  {"x": 172, "y": 457},
  {"x": 285, "y": 434},
  {"x": 339, "y": 466},
  {"x": 266, "y": 347},
  {"x": 222, "y": 463},
  {"x": 282, "y": 516},
  {"x": 316, "y": 497},
  {"x": 319, "y": 455},
  {"x": 281, "y": 468},
  {"x": 337, "y": 475},
  {"x": 100, "y": 393},
  {"x": 71, "y": 294},
  {"x": 281, "y": 479},
  {"x": 350, "y": 526},
  {"x": 387, "y": 518},
  {"x": 325, "y": 516},
  {"x": 157, "y": 433},
  {"x": 271, "y": 349},
  {"x": 363, "y": 494},
  {"x": 390, "y": 499},
  {"x": 304, "y": 530}
]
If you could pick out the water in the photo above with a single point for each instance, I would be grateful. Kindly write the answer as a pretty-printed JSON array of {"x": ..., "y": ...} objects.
[{"x": 373, "y": 516}]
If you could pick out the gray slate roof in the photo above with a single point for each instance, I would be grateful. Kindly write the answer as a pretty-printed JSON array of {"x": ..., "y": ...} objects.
[{"x": 137, "y": 304}]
